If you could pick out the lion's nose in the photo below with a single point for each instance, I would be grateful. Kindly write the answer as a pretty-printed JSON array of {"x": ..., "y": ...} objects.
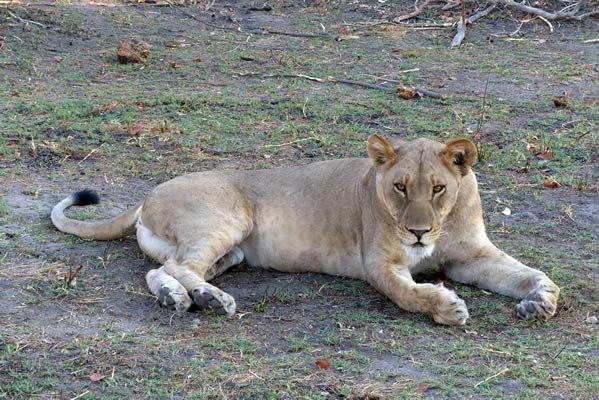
[{"x": 419, "y": 232}]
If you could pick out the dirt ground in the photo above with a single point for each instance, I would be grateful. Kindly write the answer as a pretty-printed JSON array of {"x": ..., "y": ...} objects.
[{"x": 218, "y": 91}]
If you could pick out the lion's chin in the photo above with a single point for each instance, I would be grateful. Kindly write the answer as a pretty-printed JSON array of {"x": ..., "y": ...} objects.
[{"x": 417, "y": 251}]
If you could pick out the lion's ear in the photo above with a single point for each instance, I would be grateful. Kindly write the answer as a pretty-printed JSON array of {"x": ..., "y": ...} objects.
[
  {"x": 380, "y": 150},
  {"x": 462, "y": 153}
]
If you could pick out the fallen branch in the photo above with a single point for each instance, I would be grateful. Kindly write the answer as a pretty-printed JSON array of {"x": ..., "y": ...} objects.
[
  {"x": 461, "y": 34},
  {"x": 420, "y": 90},
  {"x": 417, "y": 11},
  {"x": 568, "y": 12}
]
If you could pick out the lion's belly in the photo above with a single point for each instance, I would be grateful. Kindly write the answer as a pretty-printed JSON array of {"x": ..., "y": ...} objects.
[{"x": 295, "y": 249}]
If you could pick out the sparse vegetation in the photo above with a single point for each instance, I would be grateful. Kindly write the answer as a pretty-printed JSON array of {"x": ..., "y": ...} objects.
[{"x": 71, "y": 117}]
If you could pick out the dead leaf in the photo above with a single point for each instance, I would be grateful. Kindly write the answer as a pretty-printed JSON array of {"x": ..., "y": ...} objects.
[
  {"x": 552, "y": 184},
  {"x": 323, "y": 364},
  {"x": 406, "y": 92},
  {"x": 15, "y": 94},
  {"x": 110, "y": 107},
  {"x": 343, "y": 30},
  {"x": 531, "y": 147},
  {"x": 562, "y": 101},
  {"x": 58, "y": 59},
  {"x": 173, "y": 64},
  {"x": 96, "y": 377},
  {"x": 140, "y": 104},
  {"x": 198, "y": 59},
  {"x": 135, "y": 129},
  {"x": 546, "y": 154},
  {"x": 423, "y": 386},
  {"x": 212, "y": 367},
  {"x": 129, "y": 53}
]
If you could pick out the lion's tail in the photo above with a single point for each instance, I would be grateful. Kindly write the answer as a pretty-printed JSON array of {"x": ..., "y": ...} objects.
[{"x": 114, "y": 228}]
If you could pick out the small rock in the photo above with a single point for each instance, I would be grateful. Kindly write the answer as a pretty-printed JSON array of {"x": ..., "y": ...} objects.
[
  {"x": 507, "y": 211},
  {"x": 591, "y": 320},
  {"x": 195, "y": 322}
]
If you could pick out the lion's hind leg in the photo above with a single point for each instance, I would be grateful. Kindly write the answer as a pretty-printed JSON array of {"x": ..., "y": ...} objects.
[
  {"x": 170, "y": 293},
  {"x": 206, "y": 248}
]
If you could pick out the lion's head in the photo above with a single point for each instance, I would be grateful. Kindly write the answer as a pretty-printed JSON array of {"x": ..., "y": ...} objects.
[{"x": 417, "y": 185}]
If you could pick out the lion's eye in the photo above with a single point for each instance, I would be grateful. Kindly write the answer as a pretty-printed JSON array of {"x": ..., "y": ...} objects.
[
  {"x": 400, "y": 187},
  {"x": 438, "y": 188}
]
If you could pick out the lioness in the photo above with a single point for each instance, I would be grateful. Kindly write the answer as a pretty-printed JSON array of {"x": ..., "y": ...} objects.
[{"x": 407, "y": 208}]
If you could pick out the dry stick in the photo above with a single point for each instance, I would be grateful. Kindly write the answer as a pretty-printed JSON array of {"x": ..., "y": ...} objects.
[
  {"x": 286, "y": 144},
  {"x": 423, "y": 91},
  {"x": 481, "y": 118},
  {"x": 487, "y": 379},
  {"x": 270, "y": 76}
]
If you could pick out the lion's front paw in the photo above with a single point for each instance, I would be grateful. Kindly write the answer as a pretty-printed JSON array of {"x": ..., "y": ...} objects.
[
  {"x": 448, "y": 308},
  {"x": 540, "y": 303},
  {"x": 211, "y": 297}
]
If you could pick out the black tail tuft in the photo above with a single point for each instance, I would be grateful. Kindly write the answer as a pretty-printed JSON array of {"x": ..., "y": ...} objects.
[{"x": 86, "y": 197}]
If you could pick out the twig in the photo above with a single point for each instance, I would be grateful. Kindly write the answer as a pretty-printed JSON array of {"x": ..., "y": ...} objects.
[
  {"x": 514, "y": 33},
  {"x": 425, "y": 25},
  {"x": 421, "y": 90},
  {"x": 545, "y": 20},
  {"x": 310, "y": 78},
  {"x": 362, "y": 84},
  {"x": 487, "y": 379},
  {"x": 80, "y": 396},
  {"x": 403, "y": 71},
  {"x": 482, "y": 109},
  {"x": 90, "y": 153},
  {"x": 25, "y": 21},
  {"x": 286, "y": 144},
  {"x": 559, "y": 352}
]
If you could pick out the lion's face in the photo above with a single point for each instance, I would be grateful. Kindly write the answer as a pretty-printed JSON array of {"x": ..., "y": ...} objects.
[{"x": 417, "y": 183}]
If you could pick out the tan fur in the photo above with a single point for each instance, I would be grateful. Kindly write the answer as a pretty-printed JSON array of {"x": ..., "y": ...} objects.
[{"x": 411, "y": 206}]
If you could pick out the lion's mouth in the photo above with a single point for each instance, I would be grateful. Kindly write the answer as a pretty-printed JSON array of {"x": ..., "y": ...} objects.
[{"x": 418, "y": 244}]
